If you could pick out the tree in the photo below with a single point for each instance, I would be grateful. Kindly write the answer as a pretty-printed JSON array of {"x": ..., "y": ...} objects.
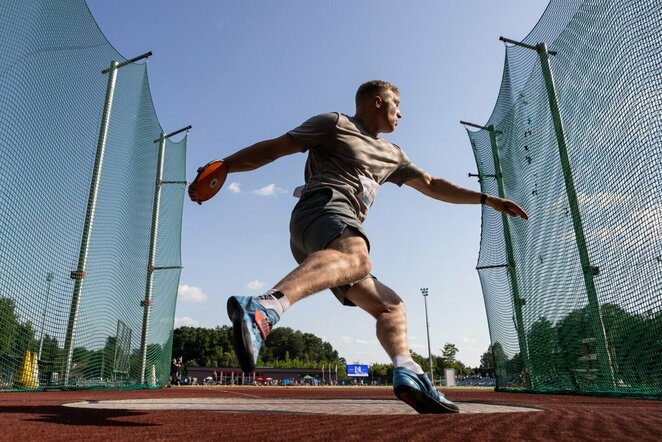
[
  {"x": 284, "y": 347},
  {"x": 381, "y": 370},
  {"x": 487, "y": 359},
  {"x": 421, "y": 360},
  {"x": 448, "y": 359},
  {"x": 24, "y": 339},
  {"x": 8, "y": 326},
  {"x": 500, "y": 359},
  {"x": 448, "y": 354},
  {"x": 204, "y": 347},
  {"x": 296, "y": 345}
]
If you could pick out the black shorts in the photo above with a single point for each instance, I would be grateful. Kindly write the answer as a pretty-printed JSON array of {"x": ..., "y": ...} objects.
[{"x": 317, "y": 220}]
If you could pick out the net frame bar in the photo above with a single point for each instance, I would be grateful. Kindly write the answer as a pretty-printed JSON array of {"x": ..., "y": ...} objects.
[
  {"x": 151, "y": 264},
  {"x": 79, "y": 274}
]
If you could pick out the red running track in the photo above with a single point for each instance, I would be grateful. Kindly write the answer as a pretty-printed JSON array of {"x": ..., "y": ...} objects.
[{"x": 41, "y": 416}]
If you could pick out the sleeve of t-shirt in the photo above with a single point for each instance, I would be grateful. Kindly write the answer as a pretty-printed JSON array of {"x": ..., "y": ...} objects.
[
  {"x": 405, "y": 172},
  {"x": 315, "y": 130}
]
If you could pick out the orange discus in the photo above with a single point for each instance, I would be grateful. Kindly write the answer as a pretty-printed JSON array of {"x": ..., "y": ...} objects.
[{"x": 209, "y": 181}]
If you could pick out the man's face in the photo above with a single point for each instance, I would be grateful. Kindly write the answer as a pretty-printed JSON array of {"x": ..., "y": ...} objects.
[{"x": 388, "y": 111}]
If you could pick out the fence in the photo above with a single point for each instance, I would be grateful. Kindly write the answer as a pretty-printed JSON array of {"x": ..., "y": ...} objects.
[
  {"x": 91, "y": 194},
  {"x": 574, "y": 295}
]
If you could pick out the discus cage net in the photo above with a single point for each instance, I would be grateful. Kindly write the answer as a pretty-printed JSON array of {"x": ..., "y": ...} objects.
[
  {"x": 91, "y": 195},
  {"x": 574, "y": 294}
]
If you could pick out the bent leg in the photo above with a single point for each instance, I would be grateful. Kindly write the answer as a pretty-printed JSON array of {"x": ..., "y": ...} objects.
[
  {"x": 410, "y": 384},
  {"x": 388, "y": 309},
  {"x": 344, "y": 261}
]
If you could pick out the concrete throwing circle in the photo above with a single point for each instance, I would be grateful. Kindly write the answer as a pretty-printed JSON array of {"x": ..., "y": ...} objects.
[{"x": 291, "y": 406}]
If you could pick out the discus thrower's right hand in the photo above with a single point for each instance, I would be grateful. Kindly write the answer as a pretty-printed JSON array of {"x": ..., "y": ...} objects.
[{"x": 208, "y": 182}]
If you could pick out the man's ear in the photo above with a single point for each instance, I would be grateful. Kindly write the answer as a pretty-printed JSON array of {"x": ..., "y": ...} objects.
[{"x": 378, "y": 101}]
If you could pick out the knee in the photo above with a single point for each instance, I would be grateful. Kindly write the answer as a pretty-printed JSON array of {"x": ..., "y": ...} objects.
[
  {"x": 361, "y": 264},
  {"x": 391, "y": 304},
  {"x": 392, "y": 316},
  {"x": 395, "y": 307}
]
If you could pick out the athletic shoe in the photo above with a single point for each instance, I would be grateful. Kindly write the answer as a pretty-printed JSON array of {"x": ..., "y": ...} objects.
[
  {"x": 417, "y": 391},
  {"x": 251, "y": 323}
]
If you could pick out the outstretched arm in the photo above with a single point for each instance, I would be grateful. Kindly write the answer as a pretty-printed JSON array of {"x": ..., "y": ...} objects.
[
  {"x": 211, "y": 177},
  {"x": 261, "y": 153},
  {"x": 446, "y": 191}
]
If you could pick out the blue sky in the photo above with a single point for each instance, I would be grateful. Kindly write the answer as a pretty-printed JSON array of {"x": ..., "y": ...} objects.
[{"x": 244, "y": 71}]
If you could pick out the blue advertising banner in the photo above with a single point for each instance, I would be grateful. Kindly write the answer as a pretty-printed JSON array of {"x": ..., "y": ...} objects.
[{"x": 357, "y": 370}]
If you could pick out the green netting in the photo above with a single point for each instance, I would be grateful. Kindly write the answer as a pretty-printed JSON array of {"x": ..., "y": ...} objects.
[
  {"x": 52, "y": 98},
  {"x": 574, "y": 295}
]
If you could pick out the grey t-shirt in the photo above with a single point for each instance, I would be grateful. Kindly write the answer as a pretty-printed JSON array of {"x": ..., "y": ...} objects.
[{"x": 343, "y": 156}]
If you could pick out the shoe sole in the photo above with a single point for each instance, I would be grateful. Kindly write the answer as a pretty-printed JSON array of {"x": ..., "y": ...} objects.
[
  {"x": 243, "y": 345},
  {"x": 421, "y": 402}
]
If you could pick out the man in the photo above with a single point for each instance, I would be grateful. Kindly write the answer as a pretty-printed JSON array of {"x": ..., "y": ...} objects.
[{"x": 347, "y": 162}]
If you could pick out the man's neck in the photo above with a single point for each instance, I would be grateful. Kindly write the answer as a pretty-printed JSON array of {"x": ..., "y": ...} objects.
[{"x": 370, "y": 128}]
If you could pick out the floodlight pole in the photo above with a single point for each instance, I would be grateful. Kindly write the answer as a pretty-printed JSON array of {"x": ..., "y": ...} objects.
[
  {"x": 78, "y": 275},
  {"x": 147, "y": 302},
  {"x": 49, "y": 279},
  {"x": 424, "y": 291}
]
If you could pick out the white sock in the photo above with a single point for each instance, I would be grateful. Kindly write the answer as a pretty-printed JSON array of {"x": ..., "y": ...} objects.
[
  {"x": 408, "y": 363},
  {"x": 274, "y": 300}
]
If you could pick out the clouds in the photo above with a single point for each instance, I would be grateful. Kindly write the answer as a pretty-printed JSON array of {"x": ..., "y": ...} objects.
[
  {"x": 268, "y": 190},
  {"x": 195, "y": 295},
  {"x": 188, "y": 293},
  {"x": 186, "y": 321},
  {"x": 255, "y": 285},
  {"x": 352, "y": 340}
]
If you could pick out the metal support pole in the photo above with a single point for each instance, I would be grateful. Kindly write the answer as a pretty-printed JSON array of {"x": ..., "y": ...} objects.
[
  {"x": 424, "y": 291},
  {"x": 588, "y": 270},
  {"x": 147, "y": 302},
  {"x": 79, "y": 274},
  {"x": 518, "y": 302}
]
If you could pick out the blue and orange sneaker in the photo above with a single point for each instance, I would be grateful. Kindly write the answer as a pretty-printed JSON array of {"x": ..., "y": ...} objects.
[
  {"x": 251, "y": 323},
  {"x": 417, "y": 391}
]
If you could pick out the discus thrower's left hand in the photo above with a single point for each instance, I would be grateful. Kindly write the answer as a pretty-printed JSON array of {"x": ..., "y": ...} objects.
[{"x": 506, "y": 206}]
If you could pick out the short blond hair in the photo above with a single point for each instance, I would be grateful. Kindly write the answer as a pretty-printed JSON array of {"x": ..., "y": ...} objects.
[{"x": 372, "y": 88}]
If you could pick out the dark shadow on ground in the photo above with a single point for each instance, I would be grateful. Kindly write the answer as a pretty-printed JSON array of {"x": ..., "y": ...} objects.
[{"x": 76, "y": 416}]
